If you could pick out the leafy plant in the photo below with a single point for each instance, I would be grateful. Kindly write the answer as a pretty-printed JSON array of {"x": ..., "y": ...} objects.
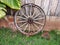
[
  {"x": 2, "y": 10},
  {"x": 13, "y": 4}
]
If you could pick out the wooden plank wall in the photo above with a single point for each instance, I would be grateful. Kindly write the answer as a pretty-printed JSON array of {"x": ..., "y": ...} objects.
[
  {"x": 27, "y": 1},
  {"x": 50, "y": 7},
  {"x": 58, "y": 9}
]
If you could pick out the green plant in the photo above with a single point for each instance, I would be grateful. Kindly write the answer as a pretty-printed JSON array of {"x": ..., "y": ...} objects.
[
  {"x": 7, "y": 37},
  {"x": 13, "y": 4},
  {"x": 2, "y": 10}
]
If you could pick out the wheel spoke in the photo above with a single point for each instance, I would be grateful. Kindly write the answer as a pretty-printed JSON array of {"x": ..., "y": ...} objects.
[
  {"x": 26, "y": 11},
  {"x": 38, "y": 23},
  {"x": 39, "y": 18},
  {"x": 23, "y": 25},
  {"x": 36, "y": 26},
  {"x": 21, "y": 21},
  {"x": 32, "y": 27},
  {"x": 36, "y": 16},
  {"x": 20, "y": 17},
  {"x": 31, "y": 10},
  {"x": 22, "y": 13},
  {"x": 29, "y": 27},
  {"x": 33, "y": 14}
]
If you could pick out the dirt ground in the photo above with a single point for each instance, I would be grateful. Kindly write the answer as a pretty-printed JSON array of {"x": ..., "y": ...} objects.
[{"x": 52, "y": 22}]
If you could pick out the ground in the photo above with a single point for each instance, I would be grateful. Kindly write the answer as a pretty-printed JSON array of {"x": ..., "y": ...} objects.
[{"x": 7, "y": 37}]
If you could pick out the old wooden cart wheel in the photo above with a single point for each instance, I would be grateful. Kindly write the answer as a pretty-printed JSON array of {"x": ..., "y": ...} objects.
[{"x": 30, "y": 19}]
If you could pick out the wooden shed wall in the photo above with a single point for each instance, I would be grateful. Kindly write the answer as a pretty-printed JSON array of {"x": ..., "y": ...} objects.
[{"x": 50, "y": 7}]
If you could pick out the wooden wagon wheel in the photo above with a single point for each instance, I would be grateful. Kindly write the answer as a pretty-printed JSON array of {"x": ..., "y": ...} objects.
[{"x": 30, "y": 19}]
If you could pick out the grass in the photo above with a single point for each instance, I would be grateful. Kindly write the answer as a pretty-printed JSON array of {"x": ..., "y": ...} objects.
[{"x": 7, "y": 37}]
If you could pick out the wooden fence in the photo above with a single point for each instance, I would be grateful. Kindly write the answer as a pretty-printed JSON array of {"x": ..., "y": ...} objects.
[{"x": 50, "y": 7}]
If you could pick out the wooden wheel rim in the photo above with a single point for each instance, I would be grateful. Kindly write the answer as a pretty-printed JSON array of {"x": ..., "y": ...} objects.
[{"x": 33, "y": 17}]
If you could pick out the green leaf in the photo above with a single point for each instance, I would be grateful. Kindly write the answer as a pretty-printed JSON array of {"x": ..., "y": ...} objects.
[
  {"x": 1, "y": 8},
  {"x": 14, "y": 4},
  {"x": 2, "y": 14},
  {"x": 2, "y": 5}
]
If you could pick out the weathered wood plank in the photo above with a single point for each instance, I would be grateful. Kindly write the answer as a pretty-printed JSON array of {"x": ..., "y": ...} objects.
[
  {"x": 49, "y": 6},
  {"x": 57, "y": 13},
  {"x": 27, "y": 1},
  {"x": 53, "y": 6}
]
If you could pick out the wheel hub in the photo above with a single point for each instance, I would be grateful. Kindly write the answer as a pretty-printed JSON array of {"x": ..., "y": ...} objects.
[{"x": 30, "y": 20}]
